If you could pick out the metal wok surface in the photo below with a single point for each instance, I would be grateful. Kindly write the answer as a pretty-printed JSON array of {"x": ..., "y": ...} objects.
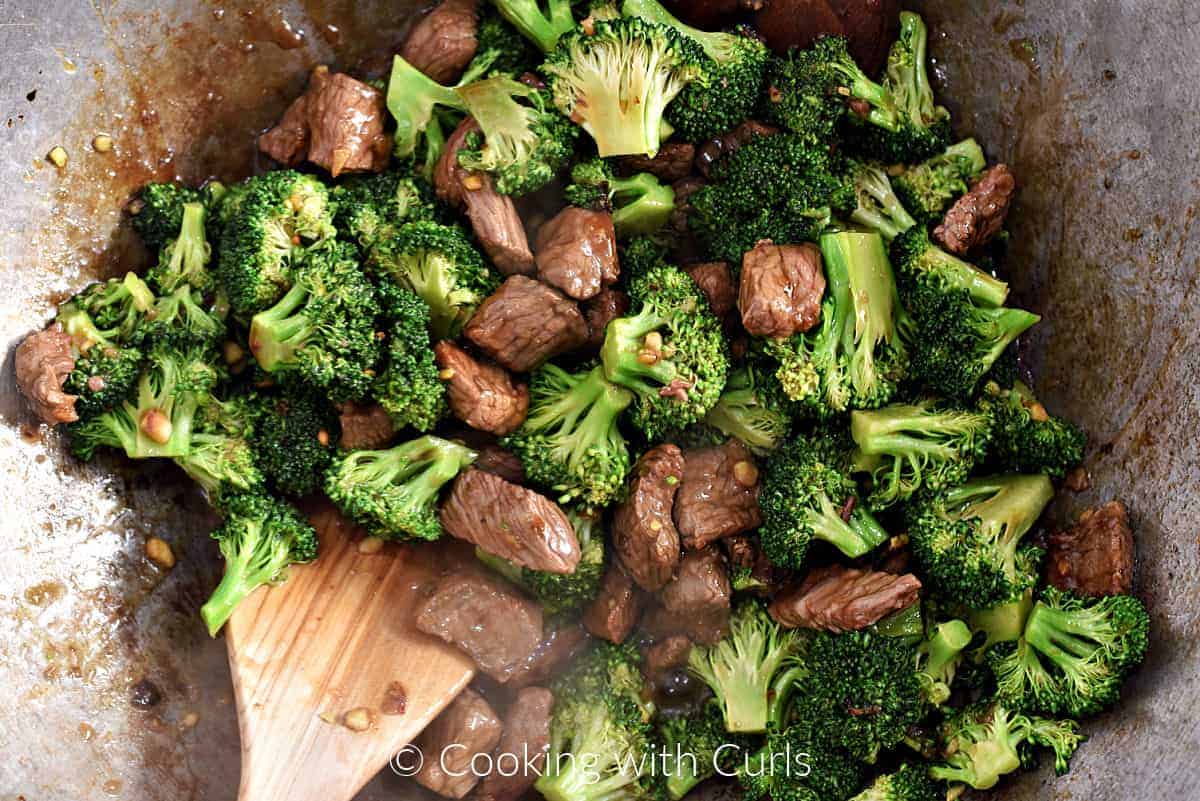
[{"x": 1094, "y": 104}]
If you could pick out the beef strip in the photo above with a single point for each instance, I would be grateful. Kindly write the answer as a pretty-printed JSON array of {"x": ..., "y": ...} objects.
[
  {"x": 557, "y": 648},
  {"x": 365, "y": 426},
  {"x": 1095, "y": 556},
  {"x": 41, "y": 364},
  {"x": 712, "y": 151},
  {"x": 698, "y": 597},
  {"x": 838, "y": 598},
  {"x": 781, "y": 289},
  {"x": 643, "y": 531},
  {"x": 444, "y": 41},
  {"x": 493, "y": 216},
  {"x": 600, "y": 311},
  {"x": 577, "y": 252},
  {"x": 490, "y": 621},
  {"x": 978, "y": 215},
  {"x": 522, "y": 749},
  {"x": 667, "y": 653},
  {"x": 672, "y": 162},
  {"x": 483, "y": 396},
  {"x": 615, "y": 610},
  {"x": 336, "y": 124},
  {"x": 512, "y": 522},
  {"x": 718, "y": 495},
  {"x": 716, "y": 282},
  {"x": 497, "y": 461},
  {"x": 470, "y": 725},
  {"x": 524, "y": 323}
]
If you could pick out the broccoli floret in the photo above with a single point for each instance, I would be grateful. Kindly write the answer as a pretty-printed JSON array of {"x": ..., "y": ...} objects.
[
  {"x": 939, "y": 655},
  {"x": 928, "y": 188},
  {"x": 502, "y": 50},
  {"x": 799, "y": 764},
  {"x": 697, "y": 744},
  {"x": 879, "y": 209},
  {"x": 617, "y": 79},
  {"x": 1027, "y": 438},
  {"x": 295, "y": 433},
  {"x": 394, "y": 492},
  {"x": 742, "y": 667},
  {"x": 781, "y": 187},
  {"x": 855, "y": 357},
  {"x": 277, "y": 217},
  {"x": 805, "y": 494},
  {"x": 671, "y": 353},
  {"x": 919, "y": 446},
  {"x": 523, "y": 141},
  {"x": 322, "y": 331},
  {"x": 409, "y": 388},
  {"x": 413, "y": 99},
  {"x": 640, "y": 254},
  {"x": 184, "y": 259},
  {"x": 439, "y": 264},
  {"x": 158, "y": 212},
  {"x": 181, "y": 316},
  {"x": 909, "y": 782},
  {"x": 918, "y": 261},
  {"x": 640, "y": 204},
  {"x": 103, "y": 376},
  {"x": 260, "y": 537},
  {"x": 222, "y": 458},
  {"x": 371, "y": 208},
  {"x": 111, "y": 313},
  {"x": 1074, "y": 654},
  {"x": 542, "y": 27},
  {"x": 753, "y": 409}
]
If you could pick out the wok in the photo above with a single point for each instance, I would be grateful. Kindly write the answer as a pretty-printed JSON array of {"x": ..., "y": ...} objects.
[{"x": 1093, "y": 104}]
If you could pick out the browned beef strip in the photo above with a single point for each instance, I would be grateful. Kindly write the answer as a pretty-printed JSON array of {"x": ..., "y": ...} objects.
[
  {"x": 615, "y": 610},
  {"x": 698, "y": 596},
  {"x": 524, "y": 323},
  {"x": 868, "y": 25},
  {"x": 443, "y": 42},
  {"x": 667, "y": 653},
  {"x": 643, "y": 531},
  {"x": 672, "y": 162},
  {"x": 493, "y": 216},
  {"x": 1095, "y": 556},
  {"x": 494, "y": 459},
  {"x": 365, "y": 426},
  {"x": 336, "y": 124},
  {"x": 577, "y": 252},
  {"x": 838, "y": 598},
  {"x": 510, "y": 521},
  {"x": 557, "y": 648},
  {"x": 602, "y": 310},
  {"x": 522, "y": 749},
  {"x": 483, "y": 396},
  {"x": 978, "y": 215},
  {"x": 489, "y": 620},
  {"x": 729, "y": 142},
  {"x": 718, "y": 495},
  {"x": 470, "y": 722},
  {"x": 716, "y": 282},
  {"x": 41, "y": 364},
  {"x": 781, "y": 289}
]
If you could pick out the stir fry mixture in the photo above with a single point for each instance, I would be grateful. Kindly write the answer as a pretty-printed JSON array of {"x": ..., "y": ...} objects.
[{"x": 698, "y": 345}]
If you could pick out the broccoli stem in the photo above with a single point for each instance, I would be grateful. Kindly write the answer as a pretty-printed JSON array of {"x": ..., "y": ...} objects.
[
  {"x": 1004, "y": 622},
  {"x": 890, "y": 219},
  {"x": 716, "y": 45},
  {"x": 543, "y": 29},
  {"x": 780, "y": 697},
  {"x": 1064, "y": 636},
  {"x": 862, "y": 260},
  {"x": 628, "y": 360},
  {"x": 905, "y": 623},
  {"x": 411, "y": 98},
  {"x": 857, "y": 85},
  {"x": 859, "y": 535},
  {"x": 960, "y": 274},
  {"x": 1000, "y": 328},
  {"x": 643, "y": 204},
  {"x": 1009, "y": 507},
  {"x": 257, "y": 560},
  {"x": 277, "y": 333}
]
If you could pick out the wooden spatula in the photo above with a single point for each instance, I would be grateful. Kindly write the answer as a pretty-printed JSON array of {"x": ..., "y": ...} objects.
[{"x": 331, "y": 650}]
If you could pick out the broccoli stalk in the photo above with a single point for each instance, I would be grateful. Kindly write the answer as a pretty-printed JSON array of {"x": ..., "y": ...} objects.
[
  {"x": 928, "y": 188},
  {"x": 918, "y": 260},
  {"x": 185, "y": 259},
  {"x": 543, "y": 28},
  {"x": 640, "y": 204},
  {"x": 158, "y": 210},
  {"x": 412, "y": 98},
  {"x": 940, "y": 654},
  {"x": 753, "y": 409},
  {"x": 878, "y": 207}
]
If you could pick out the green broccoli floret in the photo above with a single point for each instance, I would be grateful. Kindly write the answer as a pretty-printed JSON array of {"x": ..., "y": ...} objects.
[
  {"x": 918, "y": 261},
  {"x": 697, "y": 745},
  {"x": 502, "y": 50},
  {"x": 322, "y": 331},
  {"x": 799, "y": 764},
  {"x": 111, "y": 313},
  {"x": 805, "y": 495},
  {"x": 879, "y": 209},
  {"x": 753, "y": 409},
  {"x": 523, "y": 141},
  {"x": 276, "y": 218},
  {"x": 542, "y": 27},
  {"x": 184, "y": 259},
  {"x": 295, "y": 433},
  {"x": 928, "y": 188},
  {"x": 409, "y": 388},
  {"x": 1074, "y": 654},
  {"x": 414, "y": 100},
  {"x": 1027, "y": 438},
  {"x": 741, "y": 668},
  {"x": 783, "y": 188},
  {"x": 371, "y": 208},
  {"x": 393, "y": 493},
  {"x": 260, "y": 537},
  {"x": 617, "y": 79},
  {"x": 222, "y": 459},
  {"x": 640, "y": 204},
  {"x": 158, "y": 212},
  {"x": 640, "y": 254},
  {"x": 439, "y": 264},
  {"x": 919, "y": 446},
  {"x": 103, "y": 376},
  {"x": 938, "y": 658},
  {"x": 909, "y": 782},
  {"x": 181, "y": 316},
  {"x": 671, "y": 353},
  {"x": 854, "y": 358}
]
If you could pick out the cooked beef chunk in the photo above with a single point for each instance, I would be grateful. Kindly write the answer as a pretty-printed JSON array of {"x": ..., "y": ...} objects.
[
  {"x": 667, "y": 653},
  {"x": 705, "y": 14},
  {"x": 718, "y": 495},
  {"x": 577, "y": 252},
  {"x": 493, "y": 216},
  {"x": 557, "y": 648},
  {"x": 673, "y": 162},
  {"x": 698, "y": 596},
  {"x": 510, "y": 521},
  {"x": 497, "y": 461},
  {"x": 602, "y": 310},
  {"x": 336, "y": 124},
  {"x": 684, "y": 189},
  {"x": 365, "y": 426},
  {"x": 615, "y": 610},
  {"x": 868, "y": 25},
  {"x": 522, "y": 749},
  {"x": 978, "y": 215},
  {"x": 643, "y": 531},
  {"x": 714, "y": 150},
  {"x": 524, "y": 323},
  {"x": 483, "y": 396},
  {"x": 716, "y": 282},
  {"x": 472, "y": 727},
  {"x": 42, "y": 363},
  {"x": 781, "y": 289},
  {"x": 490, "y": 621},
  {"x": 838, "y": 598},
  {"x": 1095, "y": 556},
  {"x": 443, "y": 42}
]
